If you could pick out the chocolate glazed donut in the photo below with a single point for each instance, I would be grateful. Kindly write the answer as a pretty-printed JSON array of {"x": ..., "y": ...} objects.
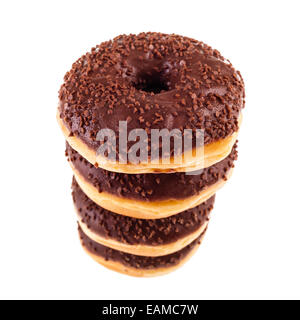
[
  {"x": 156, "y": 81},
  {"x": 134, "y": 265},
  {"x": 144, "y": 237},
  {"x": 150, "y": 187},
  {"x": 149, "y": 196}
]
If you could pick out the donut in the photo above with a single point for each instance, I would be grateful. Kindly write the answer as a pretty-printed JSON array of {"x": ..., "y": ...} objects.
[
  {"x": 143, "y": 237},
  {"x": 152, "y": 81},
  {"x": 149, "y": 196},
  {"x": 135, "y": 265},
  {"x": 151, "y": 124}
]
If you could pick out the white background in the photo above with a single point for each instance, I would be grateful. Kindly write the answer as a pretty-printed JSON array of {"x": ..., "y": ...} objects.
[{"x": 251, "y": 249}]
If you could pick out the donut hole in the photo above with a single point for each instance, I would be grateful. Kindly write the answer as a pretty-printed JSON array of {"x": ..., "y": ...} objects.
[{"x": 154, "y": 81}]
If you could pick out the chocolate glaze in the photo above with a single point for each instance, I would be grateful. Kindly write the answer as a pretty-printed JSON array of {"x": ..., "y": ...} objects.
[
  {"x": 134, "y": 261},
  {"x": 152, "y": 81},
  {"x": 139, "y": 231},
  {"x": 151, "y": 187}
]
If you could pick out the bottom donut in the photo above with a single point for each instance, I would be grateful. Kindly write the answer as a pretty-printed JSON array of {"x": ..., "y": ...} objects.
[{"x": 134, "y": 265}]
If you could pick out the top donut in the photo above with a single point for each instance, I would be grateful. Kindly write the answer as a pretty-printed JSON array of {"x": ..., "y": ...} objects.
[{"x": 152, "y": 81}]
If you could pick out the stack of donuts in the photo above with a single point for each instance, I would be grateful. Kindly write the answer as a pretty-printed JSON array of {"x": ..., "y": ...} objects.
[{"x": 148, "y": 218}]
